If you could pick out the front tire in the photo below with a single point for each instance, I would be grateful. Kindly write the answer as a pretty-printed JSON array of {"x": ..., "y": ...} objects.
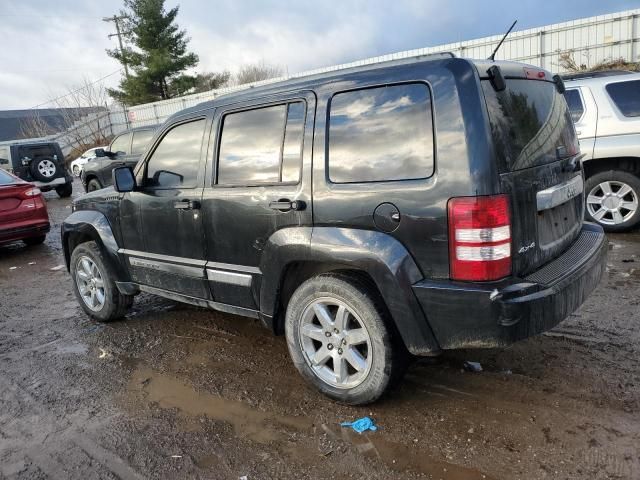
[
  {"x": 613, "y": 200},
  {"x": 65, "y": 190},
  {"x": 94, "y": 284},
  {"x": 32, "y": 241},
  {"x": 339, "y": 341},
  {"x": 93, "y": 185}
]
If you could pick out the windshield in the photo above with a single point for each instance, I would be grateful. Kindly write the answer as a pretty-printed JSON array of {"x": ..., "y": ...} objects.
[{"x": 530, "y": 124}]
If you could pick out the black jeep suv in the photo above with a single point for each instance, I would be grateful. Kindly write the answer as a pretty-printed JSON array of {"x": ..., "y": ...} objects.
[
  {"x": 368, "y": 214},
  {"x": 41, "y": 163},
  {"x": 124, "y": 151}
]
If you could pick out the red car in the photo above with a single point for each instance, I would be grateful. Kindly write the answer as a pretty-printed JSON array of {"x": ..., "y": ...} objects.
[{"x": 23, "y": 213}]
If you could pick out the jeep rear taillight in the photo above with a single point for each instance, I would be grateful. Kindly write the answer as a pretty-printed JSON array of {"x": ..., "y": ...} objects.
[{"x": 479, "y": 238}]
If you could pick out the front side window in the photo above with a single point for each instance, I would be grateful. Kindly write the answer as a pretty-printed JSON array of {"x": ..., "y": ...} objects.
[
  {"x": 121, "y": 143},
  {"x": 258, "y": 147},
  {"x": 381, "y": 134},
  {"x": 176, "y": 160},
  {"x": 626, "y": 96},
  {"x": 140, "y": 142},
  {"x": 574, "y": 101}
]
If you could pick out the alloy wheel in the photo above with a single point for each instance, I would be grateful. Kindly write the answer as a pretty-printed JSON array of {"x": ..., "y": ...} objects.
[
  {"x": 90, "y": 283},
  {"x": 335, "y": 343},
  {"x": 612, "y": 202},
  {"x": 47, "y": 168}
]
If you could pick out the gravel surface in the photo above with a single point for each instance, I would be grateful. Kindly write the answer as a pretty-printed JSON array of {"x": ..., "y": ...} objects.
[{"x": 179, "y": 392}]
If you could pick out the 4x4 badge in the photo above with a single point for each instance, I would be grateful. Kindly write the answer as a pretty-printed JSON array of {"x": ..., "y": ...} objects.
[{"x": 526, "y": 248}]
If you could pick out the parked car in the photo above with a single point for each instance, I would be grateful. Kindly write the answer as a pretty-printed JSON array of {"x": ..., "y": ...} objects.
[
  {"x": 403, "y": 208},
  {"x": 40, "y": 163},
  {"x": 78, "y": 164},
  {"x": 23, "y": 212},
  {"x": 605, "y": 107},
  {"x": 125, "y": 150}
]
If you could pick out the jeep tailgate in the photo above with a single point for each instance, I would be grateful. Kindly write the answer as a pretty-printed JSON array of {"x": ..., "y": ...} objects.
[{"x": 537, "y": 153}]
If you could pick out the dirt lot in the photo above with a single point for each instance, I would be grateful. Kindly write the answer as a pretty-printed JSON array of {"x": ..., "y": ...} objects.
[{"x": 180, "y": 392}]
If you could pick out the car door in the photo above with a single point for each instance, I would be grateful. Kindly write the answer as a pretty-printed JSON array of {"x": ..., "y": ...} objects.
[
  {"x": 120, "y": 147},
  {"x": 164, "y": 212},
  {"x": 260, "y": 183}
]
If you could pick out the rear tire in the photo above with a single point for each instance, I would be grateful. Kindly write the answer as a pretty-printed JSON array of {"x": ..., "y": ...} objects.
[
  {"x": 94, "y": 284},
  {"x": 65, "y": 190},
  {"x": 93, "y": 185},
  {"x": 327, "y": 354},
  {"x": 34, "y": 240},
  {"x": 613, "y": 200}
]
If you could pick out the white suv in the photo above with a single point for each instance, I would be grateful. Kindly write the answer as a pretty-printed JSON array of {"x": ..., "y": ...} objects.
[
  {"x": 605, "y": 107},
  {"x": 78, "y": 164}
]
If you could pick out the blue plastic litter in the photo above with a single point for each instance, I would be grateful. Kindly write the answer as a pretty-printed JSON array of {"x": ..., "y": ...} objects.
[{"x": 361, "y": 425}]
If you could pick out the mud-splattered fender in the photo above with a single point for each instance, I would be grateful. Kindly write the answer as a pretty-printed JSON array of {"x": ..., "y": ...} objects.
[
  {"x": 84, "y": 225},
  {"x": 378, "y": 254}
]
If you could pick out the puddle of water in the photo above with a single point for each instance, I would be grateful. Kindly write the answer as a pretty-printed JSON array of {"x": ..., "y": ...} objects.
[
  {"x": 72, "y": 349},
  {"x": 402, "y": 458},
  {"x": 169, "y": 392}
]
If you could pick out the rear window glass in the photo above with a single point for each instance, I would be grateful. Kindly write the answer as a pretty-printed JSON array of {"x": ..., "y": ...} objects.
[
  {"x": 626, "y": 96},
  {"x": 140, "y": 142},
  {"x": 381, "y": 134},
  {"x": 121, "y": 143},
  {"x": 530, "y": 124},
  {"x": 574, "y": 101},
  {"x": 5, "y": 178},
  {"x": 257, "y": 147}
]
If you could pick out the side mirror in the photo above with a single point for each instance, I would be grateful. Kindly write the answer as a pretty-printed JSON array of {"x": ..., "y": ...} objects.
[
  {"x": 99, "y": 152},
  {"x": 123, "y": 179}
]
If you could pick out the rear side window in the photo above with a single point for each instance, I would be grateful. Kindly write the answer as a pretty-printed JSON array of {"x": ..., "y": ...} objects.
[
  {"x": 175, "y": 161},
  {"x": 574, "y": 101},
  {"x": 121, "y": 143},
  {"x": 5, "y": 178},
  {"x": 626, "y": 96},
  {"x": 141, "y": 139},
  {"x": 258, "y": 147},
  {"x": 381, "y": 134}
]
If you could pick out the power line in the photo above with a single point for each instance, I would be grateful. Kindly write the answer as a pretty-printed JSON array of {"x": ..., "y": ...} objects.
[{"x": 77, "y": 90}]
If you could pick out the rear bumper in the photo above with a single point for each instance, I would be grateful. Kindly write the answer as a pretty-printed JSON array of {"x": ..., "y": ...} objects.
[
  {"x": 22, "y": 232},
  {"x": 465, "y": 315},
  {"x": 56, "y": 182}
]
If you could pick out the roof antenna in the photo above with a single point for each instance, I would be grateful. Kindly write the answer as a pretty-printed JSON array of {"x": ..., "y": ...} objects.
[{"x": 493, "y": 55}]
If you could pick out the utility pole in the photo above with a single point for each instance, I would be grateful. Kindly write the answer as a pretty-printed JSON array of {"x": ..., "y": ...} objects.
[{"x": 115, "y": 19}]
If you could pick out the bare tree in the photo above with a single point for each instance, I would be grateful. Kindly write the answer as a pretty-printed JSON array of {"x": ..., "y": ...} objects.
[
  {"x": 567, "y": 62},
  {"x": 257, "y": 72},
  {"x": 81, "y": 118}
]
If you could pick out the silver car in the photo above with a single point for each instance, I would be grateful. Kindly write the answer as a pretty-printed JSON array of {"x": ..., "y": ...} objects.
[{"x": 605, "y": 107}]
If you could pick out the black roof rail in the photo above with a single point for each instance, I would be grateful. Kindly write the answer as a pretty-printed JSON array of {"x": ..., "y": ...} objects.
[{"x": 598, "y": 74}]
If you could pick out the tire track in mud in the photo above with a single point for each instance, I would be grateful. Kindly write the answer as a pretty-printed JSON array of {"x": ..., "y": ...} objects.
[{"x": 48, "y": 442}]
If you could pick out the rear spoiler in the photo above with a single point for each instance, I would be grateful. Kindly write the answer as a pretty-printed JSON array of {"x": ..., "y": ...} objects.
[{"x": 498, "y": 79}]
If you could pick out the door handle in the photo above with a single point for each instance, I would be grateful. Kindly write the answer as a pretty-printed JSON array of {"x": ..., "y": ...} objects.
[
  {"x": 187, "y": 205},
  {"x": 285, "y": 205}
]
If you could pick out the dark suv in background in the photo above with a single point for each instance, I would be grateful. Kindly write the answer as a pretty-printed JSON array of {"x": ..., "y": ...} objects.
[
  {"x": 401, "y": 208},
  {"x": 124, "y": 150},
  {"x": 40, "y": 163}
]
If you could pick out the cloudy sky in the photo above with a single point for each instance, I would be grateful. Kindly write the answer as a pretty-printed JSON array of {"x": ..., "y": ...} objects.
[{"x": 49, "y": 46}]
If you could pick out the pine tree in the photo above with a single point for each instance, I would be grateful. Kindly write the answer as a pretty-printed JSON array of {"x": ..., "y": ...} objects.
[{"x": 157, "y": 56}]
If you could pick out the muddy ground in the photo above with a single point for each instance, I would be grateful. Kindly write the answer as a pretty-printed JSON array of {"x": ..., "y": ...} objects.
[{"x": 180, "y": 392}]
